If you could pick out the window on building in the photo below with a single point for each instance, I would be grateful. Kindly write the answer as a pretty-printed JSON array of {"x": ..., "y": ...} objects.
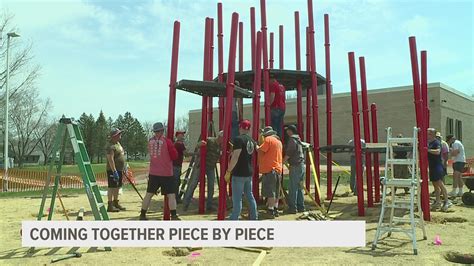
[
  {"x": 449, "y": 126},
  {"x": 458, "y": 132}
]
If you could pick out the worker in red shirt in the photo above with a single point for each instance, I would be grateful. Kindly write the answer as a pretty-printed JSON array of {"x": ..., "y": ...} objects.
[
  {"x": 162, "y": 154},
  {"x": 277, "y": 106}
]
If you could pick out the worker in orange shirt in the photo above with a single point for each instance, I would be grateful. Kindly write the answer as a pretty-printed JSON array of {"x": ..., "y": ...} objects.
[{"x": 271, "y": 168}]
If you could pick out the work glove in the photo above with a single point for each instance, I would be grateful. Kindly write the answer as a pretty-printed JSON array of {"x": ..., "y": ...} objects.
[
  {"x": 227, "y": 176},
  {"x": 116, "y": 176}
]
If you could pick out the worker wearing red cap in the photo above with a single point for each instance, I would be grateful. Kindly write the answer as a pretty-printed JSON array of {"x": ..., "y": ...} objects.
[
  {"x": 240, "y": 167},
  {"x": 178, "y": 163}
]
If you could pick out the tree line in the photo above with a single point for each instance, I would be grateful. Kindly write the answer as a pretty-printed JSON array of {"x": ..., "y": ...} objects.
[{"x": 96, "y": 135}]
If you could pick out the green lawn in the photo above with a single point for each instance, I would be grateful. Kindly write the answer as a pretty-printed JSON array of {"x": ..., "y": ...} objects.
[{"x": 97, "y": 168}]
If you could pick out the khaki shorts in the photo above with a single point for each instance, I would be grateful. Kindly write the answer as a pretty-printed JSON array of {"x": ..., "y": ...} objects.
[{"x": 271, "y": 185}]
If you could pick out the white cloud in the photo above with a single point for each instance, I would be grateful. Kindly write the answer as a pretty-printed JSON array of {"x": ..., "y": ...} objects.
[
  {"x": 37, "y": 14},
  {"x": 417, "y": 25}
]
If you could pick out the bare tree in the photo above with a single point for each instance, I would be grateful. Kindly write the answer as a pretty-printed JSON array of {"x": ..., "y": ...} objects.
[
  {"x": 27, "y": 113},
  {"x": 147, "y": 126},
  {"x": 45, "y": 134},
  {"x": 23, "y": 72},
  {"x": 23, "y": 75}
]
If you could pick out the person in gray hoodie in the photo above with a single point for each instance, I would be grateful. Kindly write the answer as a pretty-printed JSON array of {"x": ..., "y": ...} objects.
[{"x": 295, "y": 157}]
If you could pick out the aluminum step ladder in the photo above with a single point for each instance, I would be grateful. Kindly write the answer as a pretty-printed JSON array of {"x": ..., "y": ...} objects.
[
  {"x": 393, "y": 202},
  {"x": 68, "y": 129}
]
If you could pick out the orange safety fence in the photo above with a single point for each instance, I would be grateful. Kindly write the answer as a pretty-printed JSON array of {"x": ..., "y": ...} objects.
[{"x": 20, "y": 180}]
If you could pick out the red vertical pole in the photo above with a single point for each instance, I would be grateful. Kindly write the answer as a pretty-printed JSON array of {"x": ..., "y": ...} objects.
[
  {"x": 228, "y": 114},
  {"x": 241, "y": 64},
  {"x": 263, "y": 15},
  {"x": 272, "y": 59},
  {"x": 280, "y": 47},
  {"x": 308, "y": 111},
  {"x": 220, "y": 61},
  {"x": 356, "y": 128},
  {"x": 422, "y": 146},
  {"x": 366, "y": 122},
  {"x": 172, "y": 97},
  {"x": 299, "y": 89},
  {"x": 281, "y": 66},
  {"x": 314, "y": 88},
  {"x": 375, "y": 139},
  {"x": 328, "y": 107},
  {"x": 424, "y": 90},
  {"x": 211, "y": 73},
  {"x": 204, "y": 115},
  {"x": 253, "y": 34},
  {"x": 256, "y": 111}
]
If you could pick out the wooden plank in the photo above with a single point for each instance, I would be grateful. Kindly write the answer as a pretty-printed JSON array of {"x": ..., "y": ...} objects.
[{"x": 260, "y": 258}]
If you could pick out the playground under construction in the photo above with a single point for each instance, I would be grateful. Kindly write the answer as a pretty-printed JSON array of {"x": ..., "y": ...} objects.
[{"x": 399, "y": 226}]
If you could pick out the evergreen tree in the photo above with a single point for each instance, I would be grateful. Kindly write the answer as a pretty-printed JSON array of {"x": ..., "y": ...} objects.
[
  {"x": 102, "y": 135},
  {"x": 87, "y": 125}
]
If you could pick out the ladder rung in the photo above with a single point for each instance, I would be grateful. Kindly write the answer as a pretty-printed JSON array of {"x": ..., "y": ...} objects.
[
  {"x": 93, "y": 184},
  {"x": 397, "y": 205},
  {"x": 387, "y": 228},
  {"x": 401, "y": 140},
  {"x": 87, "y": 163},
  {"x": 100, "y": 205},
  {"x": 402, "y": 220},
  {"x": 401, "y": 161},
  {"x": 398, "y": 182}
]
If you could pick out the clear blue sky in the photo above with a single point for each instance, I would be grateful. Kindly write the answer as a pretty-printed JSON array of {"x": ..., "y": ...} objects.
[{"x": 115, "y": 55}]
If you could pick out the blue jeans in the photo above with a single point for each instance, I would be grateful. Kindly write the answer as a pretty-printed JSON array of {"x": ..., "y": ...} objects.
[
  {"x": 277, "y": 120},
  {"x": 177, "y": 176},
  {"x": 235, "y": 125},
  {"x": 242, "y": 185},
  {"x": 295, "y": 193},
  {"x": 194, "y": 180}
]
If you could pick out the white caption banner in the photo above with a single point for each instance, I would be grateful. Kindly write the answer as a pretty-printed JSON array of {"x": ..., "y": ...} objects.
[{"x": 193, "y": 233}]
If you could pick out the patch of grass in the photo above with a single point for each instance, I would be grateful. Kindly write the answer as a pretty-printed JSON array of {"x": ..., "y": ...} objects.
[
  {"x": 23, "y": 194},
  {"x": 343, "y": 180}
]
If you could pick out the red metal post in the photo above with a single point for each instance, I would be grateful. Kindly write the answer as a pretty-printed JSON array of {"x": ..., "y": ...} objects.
[
  {"x": 256, "y": 111},
  {"x": 210, "y": 77},
  {"x": 299, "y": 89},
  {"x": 328, "y": 107},
  {"x": 280, "y": 47},
  {"x": 253, "y": 35},
  {"x": 424, "y": 90},
  {"x": 228, "y": 114},
  {"x": 263, "y": 15},
  {"x": 241, "y": 65},
  {"x": 366, "y": 122},
  {"x": 172, "y": 97},
  {"x": 422, "y": 146},
  {"x": 220, "y": 61},
  {"x": 308, "y": 112},
  {"x": 272, "y": 59},
  {"x": 375, "y": 139},
  {"x": 204, "y": 126},
  {"x": 281, "y": 66},
  {"x": 356, "y": 128},
  {"x": 314, "y": 88}
]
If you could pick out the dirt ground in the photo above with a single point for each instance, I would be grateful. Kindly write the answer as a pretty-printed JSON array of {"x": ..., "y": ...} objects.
[{"x": 455, "y": 228}]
